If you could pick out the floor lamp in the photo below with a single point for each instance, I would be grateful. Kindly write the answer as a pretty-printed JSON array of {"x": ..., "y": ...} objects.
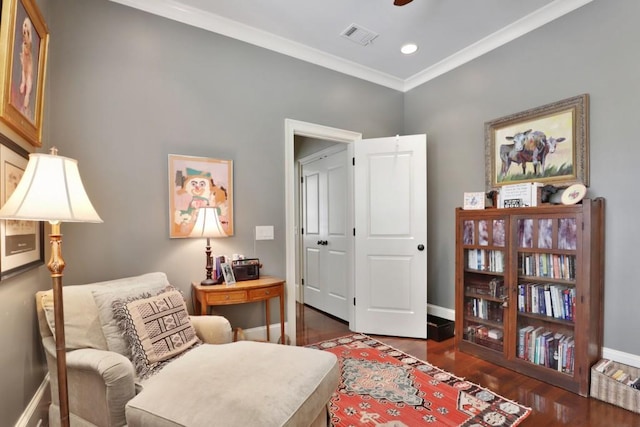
[
  {"x": 51, "y": 190},
  {"x": 208, "y": 225}
]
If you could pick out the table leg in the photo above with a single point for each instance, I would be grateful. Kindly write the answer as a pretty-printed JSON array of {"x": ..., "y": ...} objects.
[
  {"x": 266, "y": 303},
  {"x": 203, "y": 305},
  {"x": 282, "y": 336}
]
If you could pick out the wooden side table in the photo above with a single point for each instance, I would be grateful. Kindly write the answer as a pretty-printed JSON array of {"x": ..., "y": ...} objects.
[{"x": 262, "y": 289}]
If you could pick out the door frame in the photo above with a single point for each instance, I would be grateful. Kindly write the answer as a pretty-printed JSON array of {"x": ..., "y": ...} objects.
[{"x": 293, "y": 128}]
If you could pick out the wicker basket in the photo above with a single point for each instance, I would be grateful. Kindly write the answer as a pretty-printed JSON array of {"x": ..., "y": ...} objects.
[{"x": 605, "y": 388}]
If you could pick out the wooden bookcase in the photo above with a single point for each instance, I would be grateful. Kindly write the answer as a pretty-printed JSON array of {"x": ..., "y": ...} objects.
[{"x": 529, "y": 289}]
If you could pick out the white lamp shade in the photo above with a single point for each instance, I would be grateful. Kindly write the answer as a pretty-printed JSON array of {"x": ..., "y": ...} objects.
[
  {"x": 50, "y": 190},
  {"x": 207, "y": 224}
]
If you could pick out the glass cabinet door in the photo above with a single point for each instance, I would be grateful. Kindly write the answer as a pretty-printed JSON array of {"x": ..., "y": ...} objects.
[
  {"x": 485, "y": 294},
  {"x": 546, "y": 287}
]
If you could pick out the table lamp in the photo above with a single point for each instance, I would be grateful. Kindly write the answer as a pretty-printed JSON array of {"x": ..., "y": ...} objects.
[
  {"x": 51, "y": 190},
  {"x": 208, "y": 225}
]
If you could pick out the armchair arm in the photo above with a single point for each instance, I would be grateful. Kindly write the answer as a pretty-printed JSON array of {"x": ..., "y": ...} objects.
[
  {"x": 100, "y": 383},
  {"x": 212, "y": 329}
]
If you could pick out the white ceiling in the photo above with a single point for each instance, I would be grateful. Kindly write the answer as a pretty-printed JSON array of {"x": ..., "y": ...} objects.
[{"x": 448, "y": 32}]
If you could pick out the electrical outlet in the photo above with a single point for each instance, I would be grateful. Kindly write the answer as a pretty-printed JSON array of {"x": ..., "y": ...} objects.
[{"x": 264, "y": 232}]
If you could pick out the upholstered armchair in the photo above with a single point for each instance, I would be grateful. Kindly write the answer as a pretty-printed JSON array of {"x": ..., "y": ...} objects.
[{"x": 122, "y": 371}]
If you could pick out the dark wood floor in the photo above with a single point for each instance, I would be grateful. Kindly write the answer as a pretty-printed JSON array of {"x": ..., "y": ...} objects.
[{"x": 552, "y": 406}]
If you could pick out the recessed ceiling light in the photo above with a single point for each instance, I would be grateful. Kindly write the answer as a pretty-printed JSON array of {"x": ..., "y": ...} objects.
[{"x": 409, "y": 48}]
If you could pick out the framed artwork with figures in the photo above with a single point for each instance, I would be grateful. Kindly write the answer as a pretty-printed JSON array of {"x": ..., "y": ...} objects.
[
  {"x": 547, "y": 144},
  {"x": 196, "y": 182},
  {"x": 21, "y": 242},
  {"x": 24, "y": 43}
]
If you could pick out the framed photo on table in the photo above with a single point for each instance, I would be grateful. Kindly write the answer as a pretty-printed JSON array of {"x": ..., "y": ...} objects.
[
  {"x": 21, "y": 242},
  {"x": 24, "y": 41},
  {"x": 227, "y": 272},
  {"x": 547, "y": 144}
]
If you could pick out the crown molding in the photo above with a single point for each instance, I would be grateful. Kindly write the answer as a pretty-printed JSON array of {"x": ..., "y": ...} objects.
[
  {"x": 208, "y": 21},
  {"x": 501, "y": 37},
  {"x": 176, "y": 11}
]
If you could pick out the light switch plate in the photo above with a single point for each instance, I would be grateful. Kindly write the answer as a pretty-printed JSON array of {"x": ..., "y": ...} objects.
[{"x": 264, "y": 232}]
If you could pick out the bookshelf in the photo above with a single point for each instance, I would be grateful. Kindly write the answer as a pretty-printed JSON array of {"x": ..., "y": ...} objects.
[{"x": 529, "y": 289}]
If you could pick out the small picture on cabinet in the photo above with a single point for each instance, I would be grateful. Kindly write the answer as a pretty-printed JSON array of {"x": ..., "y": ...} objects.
[
  {"x": 483, "y": 233},
  {"x": 467, "y": 235},
  {"x": 498, "y": 232},
  {"x": 545, "y": 233},
  {"x": 525, "y": 233},
  {"x": 567, "y": 233}
]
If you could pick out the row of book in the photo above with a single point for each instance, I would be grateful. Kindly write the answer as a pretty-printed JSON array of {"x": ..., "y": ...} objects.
[
  {"x": 485, "y": 260},
  {"x": 483, "y": 309},
  {"x": 554, "y": 266},
  {"x": 551, "y": 300},
  {"x": 544, "y": 347},
  {"x": 617, "y": 372}
]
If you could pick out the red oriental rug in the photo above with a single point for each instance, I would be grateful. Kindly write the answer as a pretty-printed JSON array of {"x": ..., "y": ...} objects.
[{"x": 382, "y": 386}]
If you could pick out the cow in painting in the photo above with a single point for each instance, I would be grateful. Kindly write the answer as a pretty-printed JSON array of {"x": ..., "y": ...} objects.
[{"x": 528, "y": 147}]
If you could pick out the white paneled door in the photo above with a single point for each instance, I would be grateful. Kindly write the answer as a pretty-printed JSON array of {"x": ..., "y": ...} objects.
[
  {"x": 391, "y": 236},
  {"x": 327, "y": 258}
]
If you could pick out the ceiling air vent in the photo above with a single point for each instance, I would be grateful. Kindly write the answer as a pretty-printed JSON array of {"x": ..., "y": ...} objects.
[{"x": 359, "y": 34}]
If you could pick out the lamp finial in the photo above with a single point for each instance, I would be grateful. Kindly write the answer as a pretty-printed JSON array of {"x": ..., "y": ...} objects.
[{"x": 53, "y": 151}]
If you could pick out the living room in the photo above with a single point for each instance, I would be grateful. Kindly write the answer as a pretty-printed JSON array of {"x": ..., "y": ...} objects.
[{"x": 126, "y": 88}]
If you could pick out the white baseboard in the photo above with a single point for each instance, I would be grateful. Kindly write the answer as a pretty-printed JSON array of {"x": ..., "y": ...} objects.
[
  {"x": 622, "y": 357},
  {"x": 445, "y": 313},
  {"x": 30, "y": 416},
  {"x": 260, "y": 333}
]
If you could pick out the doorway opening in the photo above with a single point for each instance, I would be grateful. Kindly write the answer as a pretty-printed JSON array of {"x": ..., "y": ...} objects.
[{"x": 297, "y": 129}]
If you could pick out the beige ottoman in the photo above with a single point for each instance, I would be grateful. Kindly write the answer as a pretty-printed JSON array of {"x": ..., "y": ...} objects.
[{"x": 240, "y": 384}]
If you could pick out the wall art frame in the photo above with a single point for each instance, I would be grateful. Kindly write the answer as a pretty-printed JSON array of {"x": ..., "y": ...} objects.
[
  {"x": 195, "y": 182},
  {"x": 24, "y": 42},
  {"x": 564, "y": 128},
  {"x": 21, "y": 242}
]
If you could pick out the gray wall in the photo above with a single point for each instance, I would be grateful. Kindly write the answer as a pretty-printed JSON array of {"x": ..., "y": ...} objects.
[
  {"x": 592, "y": 50},
  {"x": 22, "y": 361},
  {"x": 125, "y": 89},
  {"x": 128, "y": 88}
]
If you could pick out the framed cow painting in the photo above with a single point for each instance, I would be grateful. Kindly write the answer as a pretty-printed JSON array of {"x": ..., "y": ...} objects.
[{"x": 548, "y": 144}]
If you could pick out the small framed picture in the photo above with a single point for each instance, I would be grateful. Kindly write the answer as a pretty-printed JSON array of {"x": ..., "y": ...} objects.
[
  {"x": 227, "y": 272},
  {"x": 474, "y": 200}
]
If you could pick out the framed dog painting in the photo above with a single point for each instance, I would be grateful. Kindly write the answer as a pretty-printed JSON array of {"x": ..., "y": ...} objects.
[
  {"x": 196, "y": 182},
  {"x": 24, "y": 39}
]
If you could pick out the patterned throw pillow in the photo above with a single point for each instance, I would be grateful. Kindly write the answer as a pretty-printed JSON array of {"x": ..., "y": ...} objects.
[{"x": 157, "y": 328}]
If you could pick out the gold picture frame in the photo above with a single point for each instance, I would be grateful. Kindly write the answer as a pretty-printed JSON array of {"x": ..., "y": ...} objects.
[
  {"x": 196, "y": 182},
  {"x": 563, "y": 124},
  {"x": 24, "y": 42}
]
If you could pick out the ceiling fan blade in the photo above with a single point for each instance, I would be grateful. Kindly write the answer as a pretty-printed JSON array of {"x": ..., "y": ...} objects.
[{"x": 401, "y": 2}]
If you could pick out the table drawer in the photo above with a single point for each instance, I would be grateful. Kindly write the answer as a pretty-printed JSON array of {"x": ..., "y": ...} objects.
[
  {"x": 264, "y": 293},
  {"x": 229, "y": 297}
]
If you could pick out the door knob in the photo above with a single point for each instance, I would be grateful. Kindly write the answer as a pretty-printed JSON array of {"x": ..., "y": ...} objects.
[
  {"x": 319, "y": 242},
  {"x": 421, "y": 247},
  {"x": 324, "y": 242}
]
